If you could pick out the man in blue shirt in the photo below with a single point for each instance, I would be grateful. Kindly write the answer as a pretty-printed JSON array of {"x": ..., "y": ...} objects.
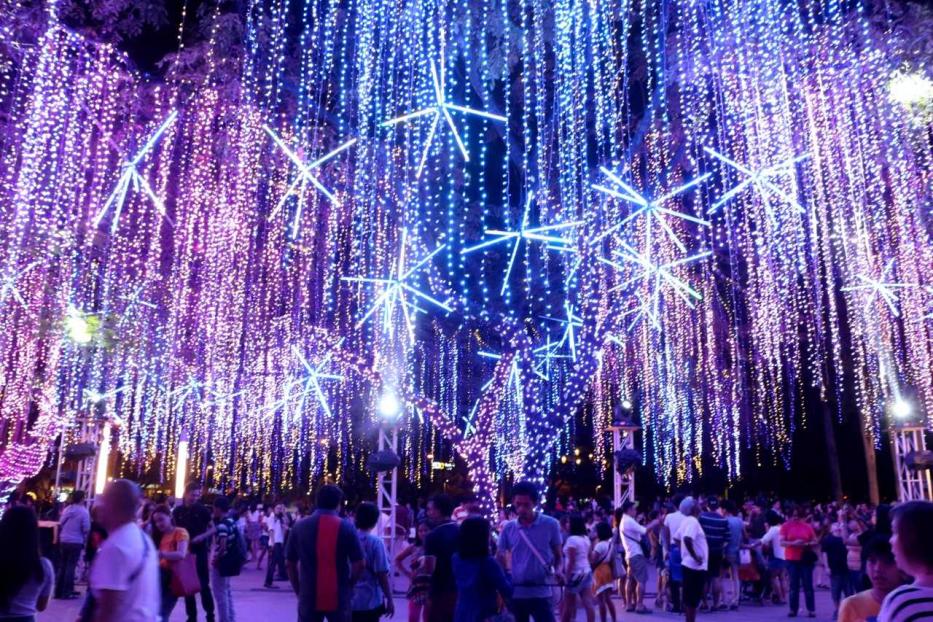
[
  {"x": 534, "y": 541},
  {"x": 372, "y": 596},
  {"x": 73, "y": 529},
  {"x": 733, "y": 548},
  {"x": 716, "y": 529}
]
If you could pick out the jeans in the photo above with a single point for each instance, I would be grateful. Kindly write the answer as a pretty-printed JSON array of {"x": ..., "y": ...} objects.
[
  {"x": 801, "y": 573},
  {"x": 540, "y": 609},
  {"x": 207, "y": 600},
  {"x": 839, "y": 587},
  {"x": 223, "y": 596},
  {"x": 276, "y": 561},
  {"x": 70, "y": 555},
  {"x": 169, "y": 600}
]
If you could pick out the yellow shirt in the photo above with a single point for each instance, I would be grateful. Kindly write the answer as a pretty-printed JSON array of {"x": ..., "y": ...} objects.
[
  {"x": 170, "y": 541},
  {"x": 859, "y": 608}
]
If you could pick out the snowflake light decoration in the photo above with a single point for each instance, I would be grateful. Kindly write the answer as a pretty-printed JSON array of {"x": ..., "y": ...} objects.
[{"x": 441, "y": 108}]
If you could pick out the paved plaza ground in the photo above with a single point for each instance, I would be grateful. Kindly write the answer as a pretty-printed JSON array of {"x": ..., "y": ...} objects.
[{"x": 255, "y": 604}]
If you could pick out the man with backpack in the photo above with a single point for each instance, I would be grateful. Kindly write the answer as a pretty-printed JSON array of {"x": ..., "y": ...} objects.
[{"x": 229, "y": 555}]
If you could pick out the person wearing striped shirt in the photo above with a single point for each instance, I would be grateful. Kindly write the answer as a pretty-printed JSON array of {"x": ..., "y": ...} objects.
[{"x": 912, "y": 542}]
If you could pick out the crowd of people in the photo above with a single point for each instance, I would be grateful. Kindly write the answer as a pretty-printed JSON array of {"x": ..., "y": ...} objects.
[{"x": 534, "y": 562}]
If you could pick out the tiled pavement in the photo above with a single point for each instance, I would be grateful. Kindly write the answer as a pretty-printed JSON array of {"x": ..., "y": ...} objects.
[{"x": 255, "y": 604}]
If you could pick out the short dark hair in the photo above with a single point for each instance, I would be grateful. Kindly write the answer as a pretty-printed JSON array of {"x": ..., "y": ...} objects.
[
  {"x": 912, "y": 522},
  {"x": 712, "y": 503},
  {"x": 222, "y": 503},
  {"x": 443, "y": 504},
  {"x": 577, "y": 525},
  {"x": 628, "y": 505},
  {"x": 729, "y": 506},
  {"x": 192, "y": 486},
  {"x": 525, "y": 489},
  {"x": 329, "y": 497},
  {"x": 77, "y": 496},
  {"x": 879, "y": 548},
  {"x": 773, "y": 518},
  {"x": 367, "y": 515},
  {"x": 603, "y": 531},
  {"x": 473, "y": 538}
]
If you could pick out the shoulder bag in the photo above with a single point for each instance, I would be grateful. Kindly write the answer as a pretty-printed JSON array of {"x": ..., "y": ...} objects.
[
  {"x": 185, "y": 580},
  {"x": 550, "y": 579}
]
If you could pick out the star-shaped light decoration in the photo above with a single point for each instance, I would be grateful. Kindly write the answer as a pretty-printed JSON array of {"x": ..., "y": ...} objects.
[
  {"x": 310, "y": 383},
  {"x": 398, "y": 291},
  {"x": 193, "y": 386},
  {"x": 544, "y": 234},
  {"x": 9, "y": 287},
  {"x": 513, "y": 382},
  {"x": 305, "y": 175},
  {"x": 219, "y": 398},
  {"x": 131, "y": 176},
  {"x": 760, "y": 180},
  {"x": 879, "y": 287},
  {"x": 441, "y": 108},
  {"x": 652, "y": 210},
  {"x": 547, "y": 353},
  {"x": 655, "y": 276},
  {"x": 570, "y": 322},
  {"x": 94, "y": 398},
  {"x": 135, "y": 298}
]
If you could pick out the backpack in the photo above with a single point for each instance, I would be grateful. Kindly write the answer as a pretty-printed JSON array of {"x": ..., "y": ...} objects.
[{"x": 233, "y": 558}]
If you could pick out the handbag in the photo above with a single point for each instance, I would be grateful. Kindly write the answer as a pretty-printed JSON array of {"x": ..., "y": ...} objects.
[{"x": 185, "y": 580}]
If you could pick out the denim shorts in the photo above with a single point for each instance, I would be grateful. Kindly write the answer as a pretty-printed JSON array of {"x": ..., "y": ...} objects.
[{"x": 586, "y": 584}]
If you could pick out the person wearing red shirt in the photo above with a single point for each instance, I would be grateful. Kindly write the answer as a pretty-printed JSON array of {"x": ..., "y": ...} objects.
[{"x": 798, "y": 538}]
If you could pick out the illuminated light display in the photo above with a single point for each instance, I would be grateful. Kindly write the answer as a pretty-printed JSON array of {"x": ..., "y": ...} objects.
[
  {"x": 441, "y": 109},
  {"x": 131, "y": 177},
  {"x": 740, "y": 262}
]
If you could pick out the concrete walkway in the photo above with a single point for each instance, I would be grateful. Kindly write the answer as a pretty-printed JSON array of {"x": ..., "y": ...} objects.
[{"x": 255, "y": 604}]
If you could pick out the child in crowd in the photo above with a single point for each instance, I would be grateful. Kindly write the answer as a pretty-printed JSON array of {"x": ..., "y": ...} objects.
[
  {"x": 372, "y": 596},
  {"x": 884, "y": 576},
  {"x": 834, "y": 552}
]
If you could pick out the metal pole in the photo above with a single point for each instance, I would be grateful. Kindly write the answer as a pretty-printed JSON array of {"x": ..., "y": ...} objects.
[
  {"x": 58, "y": 467},
  {"x": 387, "y": 490}
]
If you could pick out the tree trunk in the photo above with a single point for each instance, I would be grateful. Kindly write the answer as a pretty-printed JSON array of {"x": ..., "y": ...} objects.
[
  {"x": 871, "y": 464},
  {"x": 832, "y": 454}
]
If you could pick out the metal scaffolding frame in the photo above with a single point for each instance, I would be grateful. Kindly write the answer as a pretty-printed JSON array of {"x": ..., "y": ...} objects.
[
  {"x": 387, "y": 491},
  {"x": 912, "y": 484},
  {"x": 623, "y": 485}
]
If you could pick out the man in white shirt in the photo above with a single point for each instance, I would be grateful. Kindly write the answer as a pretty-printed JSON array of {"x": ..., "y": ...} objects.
[
  {"x": 672, "y": 552},
  {"x": 124, "y": 579},
  {"x": 277, "y": 526},
  {"x": 694, "y": 557},
  {"x": 632, "y": 534}
]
